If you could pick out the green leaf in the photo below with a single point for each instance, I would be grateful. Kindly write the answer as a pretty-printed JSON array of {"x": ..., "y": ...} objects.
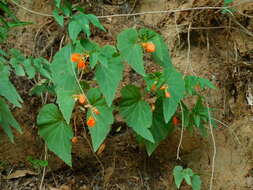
[
  {"x": 127, "y": 43},
  {"x": 205, "y": 83},
  {"x": 36, "y": 163},
  {"x": 95, "y": 97},
  {"x": 7, "y": 120},
  {"x": 109, "y": 77},
  {"x": 103, "y": 120},
  {"x": 102, "y": 127},
  {"x": 196, "y": 120},
  {"x": 136, "y": 112},
  {"x": 55, "y": 131},
  {"x": 178, "y": 175},
  {"x": 159, "y": 129},
  {"x": 42, "y": 66},
  {"x": 187, "y": 175},
  {"x": 16, "y": 61},
  {"x": 57, "y": 3},
  {"x": 7, "y": 90},
  {"x": 176, "y": 88},
  {"x": 29, "y": 69},
  {"x": 161, "y": 54},
  {"x": 196, "y": 182},
  {"x": 41, "y": 87},
  {"x": 59, "y": 18},
  {"x": 77, "y": 24},
  {"x": 3, "y": 53},
  {"x": 192, "y": 81},
  {"x": 64, "y": 79},
  {"x": 94, "y": 20}
]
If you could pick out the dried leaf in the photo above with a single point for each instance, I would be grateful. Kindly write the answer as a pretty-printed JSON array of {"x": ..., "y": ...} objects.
[
  {"x": 20, "y": 173},
  {"x": 101, "y": 149}
]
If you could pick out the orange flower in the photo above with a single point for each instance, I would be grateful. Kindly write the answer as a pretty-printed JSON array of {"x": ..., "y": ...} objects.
[
  {"x": 91, "y": 122},
  {"x": 164, "y": 87},
  {"x": 197, "y": 87},
  {"x": 153, "y": 87},
  {"x": 95, "y": 110},
  {"x": 74, "y": 140},
  {"x": 76, "y": 57},
  {"x": 81, "y": 64},
  {"x": 82, "y": 99},
  {"x": 167, "y": 94},
  {"x": 175, "y": 120},
  {"x": 144, "y": 45},
  {"x": 150, "y": 47}
]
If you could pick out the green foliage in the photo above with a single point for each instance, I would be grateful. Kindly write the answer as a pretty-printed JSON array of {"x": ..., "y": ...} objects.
[
  {"x": 81, "y": 23},
  {"x": 37, "y": 164},
  {"x": 55, "y": 132},
  {"x": 148, "y": 109},
  {"x": 103, "y": 120},
  {"x": 159, "y": 128},
  {"x": 193, "y": 82},
  {"x": 176, "y": 88},
  {"x": 109, "y": 75},
  {"x": 7, "y": 90},
  {"x": 8, "y": 23},
  {"x": 107, "y": 64},
  {"x": 130, "y": 49},
  {"x": 64, "y": 79},
  {"x": 187, "y": 174},
  {"x": 7, "y": 120},
  {"x": 136, "y": 112}
]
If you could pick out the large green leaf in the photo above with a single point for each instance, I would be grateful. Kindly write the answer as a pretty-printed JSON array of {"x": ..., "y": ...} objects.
[
  {"x": 103, "y": 120},
  {"x": 129, "y": 47},
  {"x": 77, "y": 24},
  {"x": 109, "y": 77},
  {"x": 55, "y": 131},
  {"x": 136, "y": 112},
  {"x": 159, "y": 129},
  {"x": 176, "y": 88},
  {"x": 7, "y": 120},
  {"x": 7, "y": 90},
  {"x": 64, "y": 79}
]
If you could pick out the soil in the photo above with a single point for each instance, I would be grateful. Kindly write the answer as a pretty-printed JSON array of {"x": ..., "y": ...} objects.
[{"x": 219, "y": 47}]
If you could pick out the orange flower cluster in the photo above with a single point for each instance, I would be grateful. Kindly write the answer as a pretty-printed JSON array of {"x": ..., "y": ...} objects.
[
  {"x": 91, "y": 122},
  {"x": 165, "y": 88},
  {"x": 148, "y": 46},
  {"x": 80, "y": 60}
]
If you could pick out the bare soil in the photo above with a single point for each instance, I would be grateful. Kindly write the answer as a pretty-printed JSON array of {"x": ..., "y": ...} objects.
[{"x": 220, "y": 48}]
